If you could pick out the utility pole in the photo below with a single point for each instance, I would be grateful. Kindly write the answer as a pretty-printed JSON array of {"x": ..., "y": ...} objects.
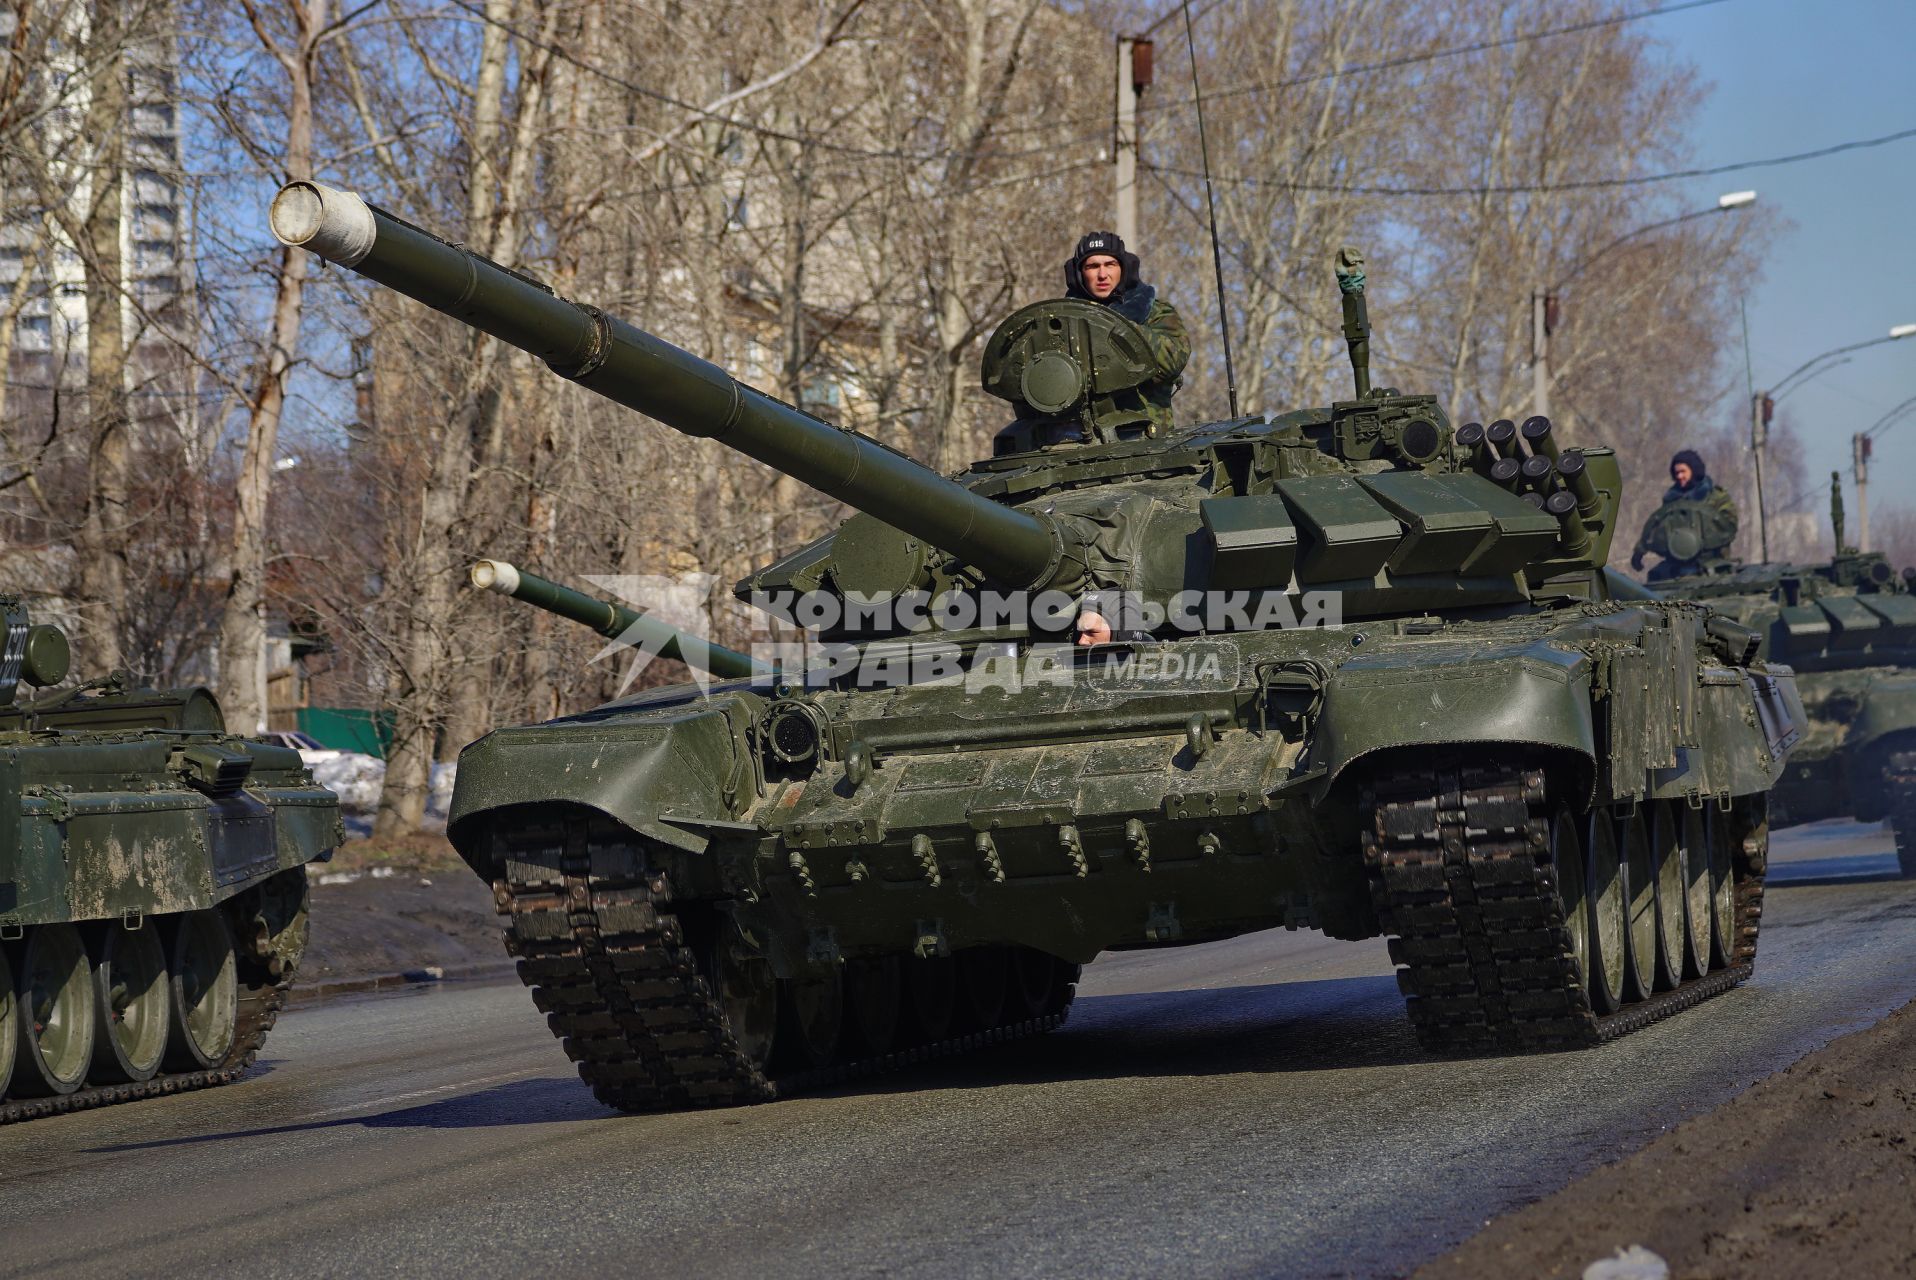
[
  {"x": 1762, "y": 410},
  {"x": 1859, "y": 449},
  {"x": 1134, "y": 76},
  {"x": 1543, "y": 320}
]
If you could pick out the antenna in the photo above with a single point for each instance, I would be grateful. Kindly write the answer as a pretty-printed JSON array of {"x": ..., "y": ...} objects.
[{"x": 1210, "y": 199}]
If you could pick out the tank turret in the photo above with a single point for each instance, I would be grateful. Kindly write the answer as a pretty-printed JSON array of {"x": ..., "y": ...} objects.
[
  {"x": 37, "y": 654},
  {"x": 616, "y": 622}
]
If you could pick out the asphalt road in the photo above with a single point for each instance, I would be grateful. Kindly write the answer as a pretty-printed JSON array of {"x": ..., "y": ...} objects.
[{"x": 1256, "y": 1107}]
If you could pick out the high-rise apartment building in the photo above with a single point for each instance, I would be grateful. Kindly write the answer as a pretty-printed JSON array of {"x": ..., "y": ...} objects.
[{"x": 53, "y": 98}]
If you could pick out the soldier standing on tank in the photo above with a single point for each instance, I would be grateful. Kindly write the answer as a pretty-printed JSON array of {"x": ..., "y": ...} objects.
[
  {"x": 1689, "y": 483},
  {"x": 1103, "y": 270}
]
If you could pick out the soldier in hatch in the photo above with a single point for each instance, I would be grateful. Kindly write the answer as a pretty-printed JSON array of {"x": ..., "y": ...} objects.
[
  {"x": 1105, "y": 617},
  {"x": 1710, "y": 513},
  {"x": 1103, "y": 270}
]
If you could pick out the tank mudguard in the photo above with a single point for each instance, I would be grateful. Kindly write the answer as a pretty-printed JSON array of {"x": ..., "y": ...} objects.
[
  {"x": 1536, "y": 695},
  {"x": 671, "y": 774},
  {"x": 1889, "y": 708}
]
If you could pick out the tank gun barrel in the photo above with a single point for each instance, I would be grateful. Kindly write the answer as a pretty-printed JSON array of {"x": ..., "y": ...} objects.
[
  {"x": 615, "y": 622},
  {"x": 631, "y": 367}
]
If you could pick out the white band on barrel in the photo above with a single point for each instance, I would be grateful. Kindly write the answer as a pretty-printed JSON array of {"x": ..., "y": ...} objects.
[
  {"x": 495, "y": 575},
  {"x": 336, "y": 225}
]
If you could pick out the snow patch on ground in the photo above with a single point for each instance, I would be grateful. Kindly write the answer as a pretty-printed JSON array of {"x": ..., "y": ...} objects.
[{"x": 356, "y": 779}]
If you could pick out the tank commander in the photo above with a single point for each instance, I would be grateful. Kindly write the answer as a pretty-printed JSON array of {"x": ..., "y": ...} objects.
[
  {"x": 1714, "y": 518},
  {"x": 1103, "y": 270}
]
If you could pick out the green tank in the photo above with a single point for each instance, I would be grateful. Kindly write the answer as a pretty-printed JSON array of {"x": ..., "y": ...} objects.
[
  {"x": 1346, "y": 668},
  {"x": 1848, "y": 628},
  {"x": 152, "y": 884}
]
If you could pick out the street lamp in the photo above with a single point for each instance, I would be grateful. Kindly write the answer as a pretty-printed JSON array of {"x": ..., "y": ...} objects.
[
  {"x": 1763, "y": 405},
  {"x": 1543, "y": 303}
]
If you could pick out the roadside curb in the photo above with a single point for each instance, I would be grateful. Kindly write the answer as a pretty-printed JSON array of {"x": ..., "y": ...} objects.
[{"x": 314, "y": 992}]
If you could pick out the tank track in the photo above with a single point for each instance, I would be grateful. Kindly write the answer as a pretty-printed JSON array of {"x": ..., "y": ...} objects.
[
  {"x": 1899, "y": 775},
  {"x": 262, "y": 996},
  {"x": 609, "y": 963},
  {"x": 1463, "y": 884}
]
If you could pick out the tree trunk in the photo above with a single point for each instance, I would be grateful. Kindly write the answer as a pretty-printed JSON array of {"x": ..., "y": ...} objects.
[
  {"x": 495, "y": 194},
  {"x": 242, "y": 669},
  {"x": 103, "y": 534}
]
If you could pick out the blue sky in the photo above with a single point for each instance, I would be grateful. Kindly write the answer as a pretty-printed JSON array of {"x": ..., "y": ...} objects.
[{"x": 1791, "y": 75}]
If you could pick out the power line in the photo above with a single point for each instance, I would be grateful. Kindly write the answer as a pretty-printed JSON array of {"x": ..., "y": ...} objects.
[
  {"x": 1385, "y": 64},
  {"x": 1890, "y": 419},
  {"x": 1539, "y": 188},
  {"x": 1383, "y": 354},
  {"x": 1173, "y": 12},
  {"x": 1458, "y": 51},
  {"x": 764, "y": 131}
]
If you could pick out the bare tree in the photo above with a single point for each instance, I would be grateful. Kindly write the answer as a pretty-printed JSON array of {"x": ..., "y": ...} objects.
[{"x": 294, "y": 47}]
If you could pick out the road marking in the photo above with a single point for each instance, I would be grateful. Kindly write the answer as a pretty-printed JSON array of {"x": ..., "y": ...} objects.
[{"x": 390, "y": 1099}]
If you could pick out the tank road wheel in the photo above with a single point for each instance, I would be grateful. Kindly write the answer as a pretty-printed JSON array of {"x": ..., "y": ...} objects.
[
  {"x": 55, "y": 1015},
  {"x": 1603, "y": 876},
  {"x": 1694, "y": 850},
  {"x": 1721, "y": 838},
  {"x": 203, "y": 981},
  {"x": 874, "y": 999},
  {"x": 814, "y": 1019},
  {"x": 984, "y": 978},
  {"x": 1566, "y": 858},
  {"x": 747, "y": 994},
  {"x": 931, "y": 998},
  {"x": 1034, "y": 982},
  {"x": 9, "y": 1024},
  {"x": 130, "y": 993},
  {"x": 1640, "y": 905},
  {"x": 1666, "y": 859}
]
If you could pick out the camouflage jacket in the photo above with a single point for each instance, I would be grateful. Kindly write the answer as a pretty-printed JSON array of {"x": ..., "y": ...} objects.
[{"x": 1170, "y": 349}]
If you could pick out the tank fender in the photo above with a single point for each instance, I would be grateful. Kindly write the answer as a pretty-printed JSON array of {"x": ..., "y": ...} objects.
[
  {"x": 1889, "y": 707},
  {"x": 1535, "y": 696},
  {"x": 665, "y": 774}
]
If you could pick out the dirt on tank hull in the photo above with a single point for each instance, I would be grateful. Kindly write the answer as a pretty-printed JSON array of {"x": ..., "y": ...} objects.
[{"x": 152, "y": 887}]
